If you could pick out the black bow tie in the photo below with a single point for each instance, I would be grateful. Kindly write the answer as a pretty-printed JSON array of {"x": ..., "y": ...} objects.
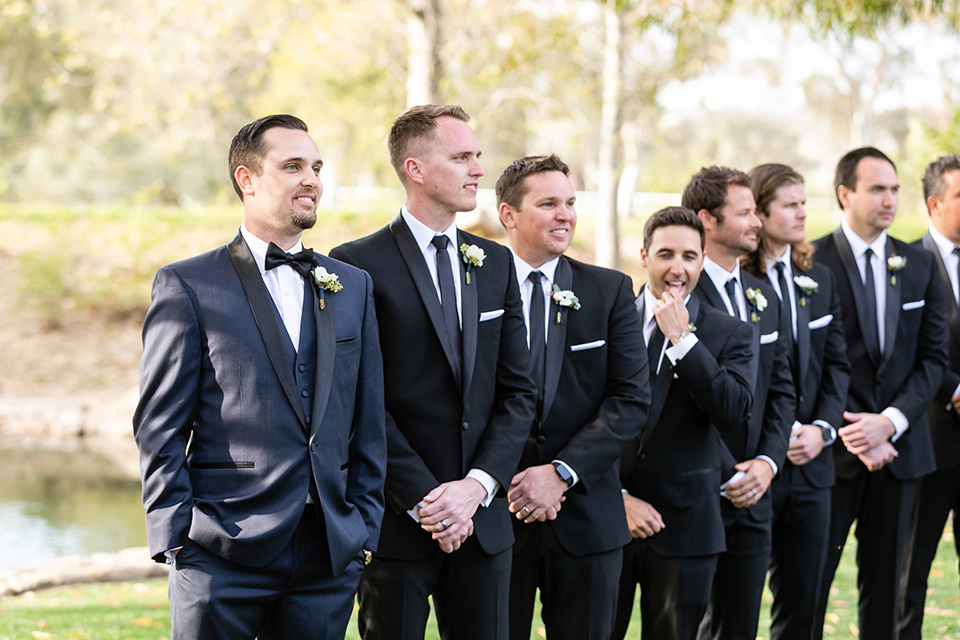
[{"x": 302, "y": 262}]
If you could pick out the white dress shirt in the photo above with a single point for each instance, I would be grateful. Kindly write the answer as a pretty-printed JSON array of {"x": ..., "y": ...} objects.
[
  {"x": 423, "y": 235},
  {"x": 859, "y": 247},
  {"x": 675, "y": 352},
  {"x": 945, "y": 246},
  {"x": 284, "y": 284}
]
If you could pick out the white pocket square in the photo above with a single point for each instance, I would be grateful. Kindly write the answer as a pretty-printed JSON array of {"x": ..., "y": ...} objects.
[
  {"x": 770, "y": 337},
  {"x": 820, "y": 323},
  {"x": 490, "y": 315},
  {"x": 916, "y": 304},
  {"x": 587, "y": 345}
]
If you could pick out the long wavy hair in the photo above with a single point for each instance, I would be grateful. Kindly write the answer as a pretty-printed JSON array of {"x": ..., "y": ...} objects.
[{"x": 765, "y": 179}]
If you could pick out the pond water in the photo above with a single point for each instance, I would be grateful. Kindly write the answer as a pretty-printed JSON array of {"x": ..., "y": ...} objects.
[{"x": 59, "y": 503}]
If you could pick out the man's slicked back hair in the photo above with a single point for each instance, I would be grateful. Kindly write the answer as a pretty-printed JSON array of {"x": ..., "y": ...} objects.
[
  {"x": 246, "y": 149},
  {"x": 933, "y": 182},
  {"x": 672, "y": 217}
]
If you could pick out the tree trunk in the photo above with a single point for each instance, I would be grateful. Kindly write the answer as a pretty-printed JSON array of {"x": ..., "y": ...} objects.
[
  {"x": 607, "y": 235},
  {"x": 424, "y": 66}
]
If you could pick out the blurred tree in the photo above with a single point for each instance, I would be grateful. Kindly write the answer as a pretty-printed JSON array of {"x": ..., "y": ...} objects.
[{"x": 424, "y": 43}]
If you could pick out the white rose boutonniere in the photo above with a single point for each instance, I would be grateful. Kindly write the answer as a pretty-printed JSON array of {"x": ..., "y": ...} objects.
[
  {"x": 564, "y": 298},
  {"x": 807, "y": 286},
  {"x": 473, "y": 256},
  {"x": 894, "y": 264},
  {"x": 326, "y": 281},
  {"x": 692, "y": 328},
  {"x": 758, "y": 302}
]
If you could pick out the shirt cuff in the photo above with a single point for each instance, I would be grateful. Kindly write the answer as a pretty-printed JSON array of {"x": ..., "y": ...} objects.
[
  {"x": 900, "y": 422},
  {"x": 570, "y": 470},
  {"x": 829, "y": 427},
  {"x": 488, "y": 482},
  {"x": 949, "y": 406},
  {"x": 769, "y": 461},
  {"x": 682, "y": 348},
  {"x": 171, "y": 554}
]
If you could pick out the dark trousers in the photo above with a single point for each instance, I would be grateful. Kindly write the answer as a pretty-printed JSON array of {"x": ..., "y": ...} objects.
[
  {"x": 939, "y": 493},
  {"x": 578, "y": 593},
  {"x": 295, "y": 596},
  {"x": 470, "y": 591},
  {"x": 801, "y": 525},
  {"x": 885, "y": 511},
  {"x": 734, "y": 610},
  {"x": 674, "y": 592}
]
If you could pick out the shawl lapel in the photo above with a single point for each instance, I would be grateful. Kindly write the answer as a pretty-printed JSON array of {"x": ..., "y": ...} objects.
[{"x": 326, "y": 351}]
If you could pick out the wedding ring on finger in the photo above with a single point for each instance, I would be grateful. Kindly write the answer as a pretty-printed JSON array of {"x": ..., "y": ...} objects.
[
  {"x": 526, "y": 510},
  {"x": 443, "y": 525},
  {"x": 753, "y": 492}
]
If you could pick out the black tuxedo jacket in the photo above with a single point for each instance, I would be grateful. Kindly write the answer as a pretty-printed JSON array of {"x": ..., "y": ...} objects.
[
  {"x": 437, "y": 429},
  {"x": 911, "y": 366},
  {"x": 216, "y": 373},
  {"x": 767, "y": 430},
  {"x": 944, "y": 423},
  {"x": 822, "y": 371},
  {"x": 596, "y": 394},
  {"x": 675, "y": 464}
]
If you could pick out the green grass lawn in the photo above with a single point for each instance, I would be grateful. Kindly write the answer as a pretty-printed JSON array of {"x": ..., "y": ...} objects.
[{"x": 138, "y": 611}]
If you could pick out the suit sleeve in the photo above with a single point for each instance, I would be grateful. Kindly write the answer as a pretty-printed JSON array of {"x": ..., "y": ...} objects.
[
  {"x": 623, "y": 410},
  {"x": 835, "y": 374},
  {"x": 368, "y": 445},
  {"x": 408, "y": 478},
  {"x": 930, "y": 360},
  {"x": 780, "y": 411},
  {"x": 169, "y": 383},
  {"x": 515, "y": 394}
]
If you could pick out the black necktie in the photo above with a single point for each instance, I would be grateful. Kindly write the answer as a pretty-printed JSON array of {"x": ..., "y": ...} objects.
[
  {"x": 731, "y": 288},
  {"x": 871, "y": 334},
  {"x": 654, "y": 347},
  {"x": 302, "y": 261},
  {"x": 448, "y": 295},
  {"x": 537, "y": 334},
  {"x": 956, "y": 252},
  {"x": 786, "y": 309}
]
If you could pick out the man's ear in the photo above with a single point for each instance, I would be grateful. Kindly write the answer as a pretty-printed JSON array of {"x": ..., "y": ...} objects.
[
  {"x": 843, "y": 195},
  {"x": 508, "y": 216},
  {"x": 933, "y": 206},
  {"x": 707, "y": 219},
  {"x": 643, "y": 258},
  {"x": 244, "y": 178},
  {"x": 411, "y": 166}
]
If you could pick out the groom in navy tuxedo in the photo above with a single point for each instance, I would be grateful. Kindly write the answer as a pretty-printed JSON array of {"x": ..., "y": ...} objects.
[{"x": 260, "y": 423}]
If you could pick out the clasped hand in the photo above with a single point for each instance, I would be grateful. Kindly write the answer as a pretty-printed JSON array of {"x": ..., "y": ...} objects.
[
  {"x": 448, "y": 513},
  {"x": 536, "y": 494},
  {"x": 747, "y": 491}
]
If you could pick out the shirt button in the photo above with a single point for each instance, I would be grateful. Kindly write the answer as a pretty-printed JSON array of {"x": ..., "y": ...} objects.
[{"x": 541, "y": 439}]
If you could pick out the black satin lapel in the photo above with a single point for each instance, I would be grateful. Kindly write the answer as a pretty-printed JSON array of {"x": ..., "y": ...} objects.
[
  {"x": 556, "y": 338},
  {"x": 414, "y": 260},
  {"x": 892, "y": 310},
  {"x": 953, "y": 313},
  {"x": 659, "y": 393},
  {"x": 470, "y": 319},
  {"x": 710, "y": 294},
  {"x": 260, "y": 304},
  {"x": 326, "y": 353},
  {"x": 803, "y": 337},
  {"x": 853, "y": 277}
]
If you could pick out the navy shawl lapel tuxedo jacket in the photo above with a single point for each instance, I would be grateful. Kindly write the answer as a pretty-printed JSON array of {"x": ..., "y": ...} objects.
[
  {"x": 438, "y": 429},
  {"x": 944, "y": 421},
  {"x": 596, "y": 394},
  {"x": 215, "y": 374},
  {"x": 911, "y": 367},
  {"x": 675, "y": 465}
]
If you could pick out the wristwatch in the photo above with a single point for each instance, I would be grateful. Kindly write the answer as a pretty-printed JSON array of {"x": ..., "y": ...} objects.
[
  {"x": 825, "y": 432},
  {"x": 564, "y": 474}
]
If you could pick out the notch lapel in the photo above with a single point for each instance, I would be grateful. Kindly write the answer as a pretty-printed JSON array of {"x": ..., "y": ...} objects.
[
  {"x": 953, "y": 313},
  {"x": 556, "y": 338},
  {"x": 850, "y": 268},
  {"x": 260, "y": 304},
  {"x": 470, "y": 319},
  {"x": 326, "y": 354},
  {"x": 892, "y": 310},
  {"x": 414, "y": 260},
  {"x": 803, "y": 337},
  {"x": 663, "y": 379}
]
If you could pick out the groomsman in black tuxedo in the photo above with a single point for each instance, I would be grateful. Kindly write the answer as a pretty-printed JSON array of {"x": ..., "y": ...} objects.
[
  {"x": 894, "y": 303},
  {"x": 260, "y": 422},
  {"x": 752, "y": 454},
  {"x": 586, "y": 348},
  {"x": 459, "y": 397},
  {"x": 939, "y": 491},
  {"x": 812, "y": 329},
  {"x": 699, "y": 361}
]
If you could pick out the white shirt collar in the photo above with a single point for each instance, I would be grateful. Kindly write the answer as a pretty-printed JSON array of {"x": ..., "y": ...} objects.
[
  {"x": 648, "y": 303},
  {"x": 858, "y": 245},
  {"x": 718, "y": 275},
  {"x": 548, "y": 269},
  {"x": 943, "y": 242},
  {"x": 771, "y": 263},
  {"x": 258, "y": 247},
  {"x": 424, "y": 234}
]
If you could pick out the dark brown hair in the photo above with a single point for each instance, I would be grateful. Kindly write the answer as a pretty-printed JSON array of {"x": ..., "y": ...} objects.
[
  {"x": 247, "y": 150},
  {"x": 414, "y": 126},
  {"x": 708, "y": 189},
  {"x": 846, "y": 173},
  {"x": 512, "y": 183},
  {"x": 672, "y": 217},
  {"x": 765, "y": 181},
  {"x": 933, "y": 183}
]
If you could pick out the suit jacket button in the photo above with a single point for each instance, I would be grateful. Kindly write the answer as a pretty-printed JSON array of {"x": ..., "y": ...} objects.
[
  {"x": 308, "y": 418},
  {"x": 465, "y": 425},
  {"x": 304, "y": 393},
  {"x": 643, "y": 456},
  {"x": 302, "y": 368},
  {"x": 541, "y": 439}
]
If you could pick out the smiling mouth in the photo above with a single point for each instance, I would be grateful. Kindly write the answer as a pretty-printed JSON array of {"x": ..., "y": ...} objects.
[
  {"x": 306, "y": 199},
  {"x": 674, "y": 284}
]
